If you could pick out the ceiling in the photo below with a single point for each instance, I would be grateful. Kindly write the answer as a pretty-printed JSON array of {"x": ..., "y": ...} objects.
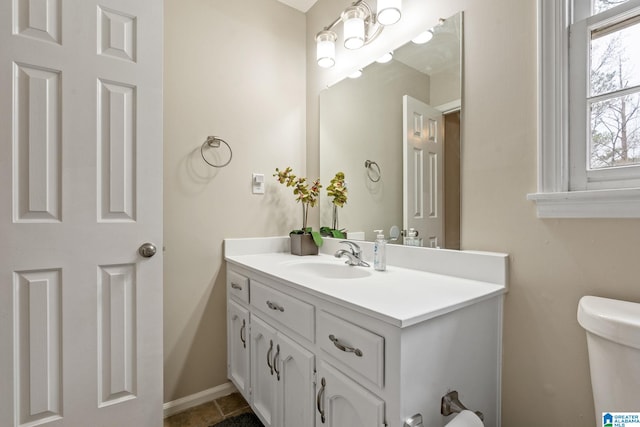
[{"x": 301, "y": 5}]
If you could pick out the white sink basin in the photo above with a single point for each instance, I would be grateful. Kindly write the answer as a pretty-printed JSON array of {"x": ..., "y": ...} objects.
[{"x": 328, "y": 270}]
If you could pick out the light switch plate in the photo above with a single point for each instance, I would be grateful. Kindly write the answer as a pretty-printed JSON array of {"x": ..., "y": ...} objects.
[{"x": 257, "y": 183}]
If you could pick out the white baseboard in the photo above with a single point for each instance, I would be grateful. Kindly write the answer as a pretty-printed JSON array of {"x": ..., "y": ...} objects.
[{"x": 184, "y": 403}]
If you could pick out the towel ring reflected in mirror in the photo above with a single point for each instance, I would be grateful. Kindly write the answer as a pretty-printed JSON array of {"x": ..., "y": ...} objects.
[
  {"x": 373, "y": 169},
  {"x": 215, "y": 142}
]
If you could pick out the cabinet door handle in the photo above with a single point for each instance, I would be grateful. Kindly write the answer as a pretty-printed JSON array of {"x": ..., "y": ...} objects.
[
  {"x": 242, "y": 333},
  {"x": 345, "y": 348},
  {"x": 269, "y": 356},
  {"x": 275, "y": 306},
  {"x": 236, "y": 286},
  {"x": 319, "y": 400},
  {"x": 275, "y": 361}
]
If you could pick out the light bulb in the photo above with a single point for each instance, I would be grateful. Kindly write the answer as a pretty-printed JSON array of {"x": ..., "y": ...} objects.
[
  {"x": 389, "y": 11},
  {"x": 326, "y": 48},
  {"x": 385, "y": 58},
  {"x": 423, "y": 37},
  {"x": 353, "y": 19}
]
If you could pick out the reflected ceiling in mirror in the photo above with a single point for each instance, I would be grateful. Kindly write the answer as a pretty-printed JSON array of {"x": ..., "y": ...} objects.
[{"x": 366, "y": 121}]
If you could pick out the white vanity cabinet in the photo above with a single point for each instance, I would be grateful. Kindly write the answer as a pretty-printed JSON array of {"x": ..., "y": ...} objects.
[
  {"x": 342, "y": 402},
  {"x": 238, "y": 331},
  {"x": 362, "y": 352},
  {"x": 272, "y": 371},
  {"x": 282, "y": 378},
  {"x": 286, "y": 385}
]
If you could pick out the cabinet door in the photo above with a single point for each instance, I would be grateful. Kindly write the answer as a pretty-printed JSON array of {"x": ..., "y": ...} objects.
[
  {"x": 238, "y": 346},
  {"x": 263, "y": 380},
  {"x": 341, "y": 402},
  {"x": 294, "y": 377}
]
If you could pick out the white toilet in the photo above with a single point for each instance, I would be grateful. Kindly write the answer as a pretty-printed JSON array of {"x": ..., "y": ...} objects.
[{"x": 613, "y": 341}]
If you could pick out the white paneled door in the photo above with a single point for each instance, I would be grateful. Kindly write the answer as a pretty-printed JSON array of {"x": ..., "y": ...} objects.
[
  {"x": 80, "y": 193},
  {"x": 423, "y": 177}
]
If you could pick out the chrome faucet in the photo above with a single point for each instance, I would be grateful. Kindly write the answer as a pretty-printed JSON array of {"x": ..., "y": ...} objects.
[{"x": 353, "y": 254}]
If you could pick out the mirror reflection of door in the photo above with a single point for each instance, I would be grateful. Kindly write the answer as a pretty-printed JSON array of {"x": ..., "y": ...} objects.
[
  {"x": 423, "y": 179},
  {"x": 452, "y": 150}
]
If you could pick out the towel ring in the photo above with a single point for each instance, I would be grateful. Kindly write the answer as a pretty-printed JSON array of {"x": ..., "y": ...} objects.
[
  {"x": 373, "y": 167},
  {"x": 214, "y": 142}
]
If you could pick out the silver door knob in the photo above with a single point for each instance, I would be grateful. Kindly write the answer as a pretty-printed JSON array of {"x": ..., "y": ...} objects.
[{"x": 147, "y": 250}]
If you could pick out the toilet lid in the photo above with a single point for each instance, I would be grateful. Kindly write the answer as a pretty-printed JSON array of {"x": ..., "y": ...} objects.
[{"x": 615, "y": 320}]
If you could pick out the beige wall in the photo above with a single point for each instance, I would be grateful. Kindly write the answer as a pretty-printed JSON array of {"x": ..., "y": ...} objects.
[
  {"x": 244, "y": 80},
  {"x": 552, "y": 262},
  {"x": 236, "y": 70}
]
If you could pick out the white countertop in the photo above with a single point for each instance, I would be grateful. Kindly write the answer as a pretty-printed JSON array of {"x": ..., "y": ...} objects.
[{"x": 399, "y": 296}]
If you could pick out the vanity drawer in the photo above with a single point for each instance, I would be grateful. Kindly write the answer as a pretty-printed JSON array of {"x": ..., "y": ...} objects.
[
  {"x": 238, "y": 286},
  {"x": 356, "y": 348},
  {"x": 291, "y": 312}
]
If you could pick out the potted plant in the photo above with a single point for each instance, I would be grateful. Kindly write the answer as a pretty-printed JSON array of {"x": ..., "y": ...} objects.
[
  {"x": 304, "y": 241},
  {"x": 337, "y": 190}
]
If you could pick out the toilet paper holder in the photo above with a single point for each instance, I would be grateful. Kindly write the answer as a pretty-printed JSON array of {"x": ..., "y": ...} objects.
[{"x": 450, "y": 404}]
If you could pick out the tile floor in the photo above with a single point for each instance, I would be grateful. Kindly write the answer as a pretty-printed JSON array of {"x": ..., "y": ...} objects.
[{"x": 209, "y": 413}]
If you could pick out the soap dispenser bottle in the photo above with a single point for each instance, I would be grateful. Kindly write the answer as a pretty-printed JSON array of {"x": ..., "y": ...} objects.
[{"x": 380, "y": 252}]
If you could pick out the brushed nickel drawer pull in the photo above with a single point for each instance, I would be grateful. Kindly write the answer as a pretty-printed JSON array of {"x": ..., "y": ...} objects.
[
  {"x": 243, "y": 332},
  {"x": 275, "y": 306},
  {"x": 345, "y": 348},
  {"x": 236, "y": 286},
  {"x": 275, "y": 361},
  {"x": 319, "y": 399},
  {"x": 269, "y": 356}
]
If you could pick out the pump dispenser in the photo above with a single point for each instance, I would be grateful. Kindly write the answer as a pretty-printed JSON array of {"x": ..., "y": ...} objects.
[
  {"x": 412, "y": 238},
  {"x": 380, "y": 252}
]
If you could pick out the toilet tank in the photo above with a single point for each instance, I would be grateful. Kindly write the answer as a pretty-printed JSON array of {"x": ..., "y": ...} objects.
[{"x": 613, "y": 342}]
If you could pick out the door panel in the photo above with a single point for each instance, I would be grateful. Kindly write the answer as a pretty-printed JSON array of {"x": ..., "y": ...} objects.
[
  {"x": 346, "y": 403},
  {"x": 80, "y": 191},
  {"x": 238, "y": 344},
  {"x": 295, "y": 408},
  {"x": 423, "y": 176},
  {"x": 39, "y": 345},
  {"x": 263, "y": 381},
  {"x": 116, "y": 334}
]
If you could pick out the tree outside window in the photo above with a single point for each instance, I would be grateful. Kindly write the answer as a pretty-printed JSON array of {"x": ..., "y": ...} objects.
[{"x": 614, "y": 101}]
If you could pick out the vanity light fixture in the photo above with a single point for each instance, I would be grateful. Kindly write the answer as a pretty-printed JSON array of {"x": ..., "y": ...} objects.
[
  {"x": 326, "y": 48},
  {"x": 357, "y": 73},
  {"x": 423, "y": 37},
  {"x": 389, "y": 11},
  {"x": 385, "y": 58},
  {"x": 426, "y": 36},
  {"x": 353, "y": 27},
  {"x": 360, "y": 27}
]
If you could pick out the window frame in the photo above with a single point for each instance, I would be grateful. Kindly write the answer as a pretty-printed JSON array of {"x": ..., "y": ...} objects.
[{"x": 557, "y": 196}]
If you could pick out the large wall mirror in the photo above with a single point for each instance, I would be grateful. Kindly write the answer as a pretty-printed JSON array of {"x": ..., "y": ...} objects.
[{"x": 395, "y": 134}]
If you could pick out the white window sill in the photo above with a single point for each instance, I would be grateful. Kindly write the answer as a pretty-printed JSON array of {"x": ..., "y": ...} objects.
[{"x": 623, "y": 203}]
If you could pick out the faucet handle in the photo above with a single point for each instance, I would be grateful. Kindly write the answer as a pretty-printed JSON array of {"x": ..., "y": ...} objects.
[{"x": 355, "y": 249}]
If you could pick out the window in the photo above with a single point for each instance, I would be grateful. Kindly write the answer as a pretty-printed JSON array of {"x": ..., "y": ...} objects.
[{"x": 589, "y": 133}]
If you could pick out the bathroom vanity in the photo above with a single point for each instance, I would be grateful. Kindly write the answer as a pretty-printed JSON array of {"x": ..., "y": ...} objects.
[{"x": 314, "y": 342}]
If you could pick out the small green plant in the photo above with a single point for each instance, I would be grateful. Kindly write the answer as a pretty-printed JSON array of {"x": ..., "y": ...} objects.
[
  {"x": 305, "y": 194},
  {"x": 337, "y": 191}
]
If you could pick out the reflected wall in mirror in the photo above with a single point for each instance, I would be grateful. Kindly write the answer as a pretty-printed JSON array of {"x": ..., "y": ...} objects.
[{"x": 395, "y": 133}]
